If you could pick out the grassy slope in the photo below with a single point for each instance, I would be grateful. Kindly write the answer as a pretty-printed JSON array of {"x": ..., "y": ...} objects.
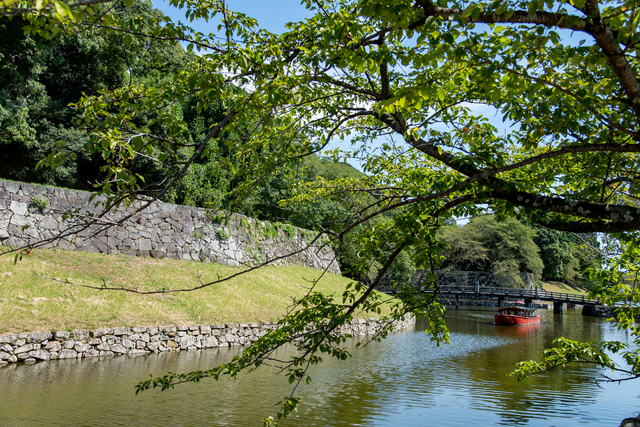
[
  {"x": 32, "y": 303},
  {"x": 552, "y": 286}
]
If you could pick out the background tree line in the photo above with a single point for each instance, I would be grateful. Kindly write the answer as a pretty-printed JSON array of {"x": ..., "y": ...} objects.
[
  {"x": 564, "y": 74},
  {"x": 42, "y": 79}
]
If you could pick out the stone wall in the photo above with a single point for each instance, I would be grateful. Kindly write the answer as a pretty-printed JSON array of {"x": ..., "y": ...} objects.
[
  {"x": 32, "y": 213},
  {"x": 36, "y": 346},
  {"x": 598, "y": 311}
]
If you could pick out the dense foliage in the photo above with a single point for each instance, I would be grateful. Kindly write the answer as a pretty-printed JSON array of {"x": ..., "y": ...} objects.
[
  {"x": 504, "y": 248},
  {"x": 410, "y": 82},
  {"x": 41, "y": 79},
  {"x": 509, "y": 247}
]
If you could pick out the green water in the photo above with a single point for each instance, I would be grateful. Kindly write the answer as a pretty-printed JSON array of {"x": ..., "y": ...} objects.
[{"x": 403, "y": 381}]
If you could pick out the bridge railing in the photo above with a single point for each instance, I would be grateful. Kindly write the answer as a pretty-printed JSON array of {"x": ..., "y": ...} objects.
[{"x": 508, "y": 292}]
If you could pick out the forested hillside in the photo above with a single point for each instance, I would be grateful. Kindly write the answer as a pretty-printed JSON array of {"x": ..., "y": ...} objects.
[{"x": 42, "y": 85}]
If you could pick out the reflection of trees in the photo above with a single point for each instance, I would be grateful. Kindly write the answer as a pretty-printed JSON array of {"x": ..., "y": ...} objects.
[
  {"x": 395, "y": 379},
  {"x": 514, "y": 401}
]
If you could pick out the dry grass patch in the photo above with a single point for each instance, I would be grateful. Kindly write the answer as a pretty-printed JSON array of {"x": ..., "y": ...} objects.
[{"x": 31, "y": 303}]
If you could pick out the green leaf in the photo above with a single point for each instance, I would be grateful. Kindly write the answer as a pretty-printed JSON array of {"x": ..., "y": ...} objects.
[{"x": 469, "y": 10}]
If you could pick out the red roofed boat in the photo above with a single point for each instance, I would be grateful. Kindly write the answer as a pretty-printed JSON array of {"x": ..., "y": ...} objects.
[{"x": 516, "y": 316}]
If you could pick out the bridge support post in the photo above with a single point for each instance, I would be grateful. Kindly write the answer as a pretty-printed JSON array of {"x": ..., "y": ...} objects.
[
  {"x": 528, "y": 302},
  {"x": 457, "y": 302},
  {"x": 558, "y": 307},
  {"x": 571, "y": 305},
  {"x": 500, "y": 300}
]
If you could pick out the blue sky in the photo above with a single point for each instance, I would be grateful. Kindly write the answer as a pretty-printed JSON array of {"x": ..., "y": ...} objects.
[{"x": 271, "y": 15}]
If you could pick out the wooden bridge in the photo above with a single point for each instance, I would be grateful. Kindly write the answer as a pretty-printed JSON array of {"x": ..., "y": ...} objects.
[{"x": 527, "y": 295}]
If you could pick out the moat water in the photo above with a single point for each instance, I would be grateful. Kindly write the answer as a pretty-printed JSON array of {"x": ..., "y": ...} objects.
[{"x": 403, "y": 381}]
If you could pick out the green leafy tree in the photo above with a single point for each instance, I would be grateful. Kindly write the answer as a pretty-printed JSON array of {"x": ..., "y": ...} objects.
[
  {"x": 505, "y": 248},
  {"x": 41, "y": 79},
  {"x": 567, "y": 257},
  {"x": 411, "y": 74}
]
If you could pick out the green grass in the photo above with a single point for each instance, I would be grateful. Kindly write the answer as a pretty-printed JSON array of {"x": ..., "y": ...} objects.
[
  {"x": 552, "y": 286},
  {"x": 32, "y": 303}
]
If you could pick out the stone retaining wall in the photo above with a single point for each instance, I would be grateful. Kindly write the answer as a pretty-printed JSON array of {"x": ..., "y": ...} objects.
[
  {"x": 38, "y": 346},
  {"x": 32, "y": 213},
  {"x": 598, "y": 311}
]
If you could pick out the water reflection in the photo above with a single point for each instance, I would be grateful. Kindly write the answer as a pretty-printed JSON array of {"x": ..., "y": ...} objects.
[{"x": 405, "y": 380}]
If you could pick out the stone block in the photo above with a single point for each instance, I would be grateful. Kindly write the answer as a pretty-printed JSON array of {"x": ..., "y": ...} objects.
[
  {"x": 11, "y": 187},
  {"x": 187, "y": 341},
  {"x": 80, "y": 335},
  {"x": 154, "y": 346},
  {"x": 210, "y": 342},
  {"x": 48, "y": 223},
  {"x": 67, "y": 354},
  {"x": 38, "y": 337},
  {"x": 40, "y": 354},
  {"x": 100, "y": 245},
  {"x": 117, "y": 348},
  {"x": 101, "y": 332},
  {"x": 81, "y": 348},
  {"x": 103, "y": 346},
  {"x": 14, "y": 241},
  {"x": 25, "y": 349},
  {"x": 157, "y": 254},
  {"x": 18, "y": 208},
  {"x": 144, "y": 245},
  {"x": 53, "y": 346},
  {"x": 61, "y": 335},
  {"x": 88, "y": 248},
  {"x": 65, "y": 245},
  {"x": 91, "y": 353},
  {"x": 22, "y": 356},
  {"x": 121, "y": 331},
  {"x": 8, "y": 338}
]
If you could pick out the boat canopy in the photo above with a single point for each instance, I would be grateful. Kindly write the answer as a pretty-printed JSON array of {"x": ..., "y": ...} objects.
[{"x": 519, "y": 311}]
